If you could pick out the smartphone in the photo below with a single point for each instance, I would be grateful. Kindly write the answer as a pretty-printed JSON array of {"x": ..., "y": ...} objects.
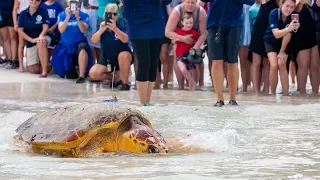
[
  {"x": 85, "y": 2},
  {"x": 73, "y": 5},
  {"x": 295, "y": 17},
  {"x": 108, "y": 17}
]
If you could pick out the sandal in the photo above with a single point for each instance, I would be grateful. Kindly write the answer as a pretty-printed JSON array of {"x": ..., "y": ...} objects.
[{"x": 43, "y": 76}]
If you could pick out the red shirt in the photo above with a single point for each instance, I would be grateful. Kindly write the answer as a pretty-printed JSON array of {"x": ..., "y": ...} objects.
[{"x": 184, "y": 47}]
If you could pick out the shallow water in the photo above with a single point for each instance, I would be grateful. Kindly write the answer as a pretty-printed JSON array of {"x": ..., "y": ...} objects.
[{"x": 264, "y": 138}]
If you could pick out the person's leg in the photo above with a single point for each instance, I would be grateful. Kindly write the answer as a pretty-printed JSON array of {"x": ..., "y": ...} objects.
[
  {"x": 293, "y": 72},
  {"x": 124, "y": 60},
  {"x": 164, "y": 57},
  {"x": 99, "y": 72},
  {"x": 13, "y": 43},
  {"x": 314, "y": 70},
  {"x": 303, "y": 60},
  {"x": 43, "y": 55},
  {"x": 284, "y": 76},
  {"x": 4, "y": 32},
  {"x": 155, "y": 48},
  {"x": 266, "y": 71},
  {"x": 83, "y": 62},
  {"x": 201, "y": 75},
  {"x": 232, "y": 35},
  {"x": 186, "y": 73},
  {"x": 244, "y": 66},
  {"x": 256, "y": 72},
  {"x": 142, "y": 51},
  {"x": 273, "y": 75},
  {"x": 21, "y": 53},
  {"x": 179, "y": 75},
  {"x": 216, "y": 54}
]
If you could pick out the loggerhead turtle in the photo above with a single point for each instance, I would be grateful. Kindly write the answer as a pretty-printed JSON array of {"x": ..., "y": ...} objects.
[{"x": 90, "y": 129}]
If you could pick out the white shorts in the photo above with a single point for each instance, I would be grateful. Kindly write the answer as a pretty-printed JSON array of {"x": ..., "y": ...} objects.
[{"x": 33, "y": 54}]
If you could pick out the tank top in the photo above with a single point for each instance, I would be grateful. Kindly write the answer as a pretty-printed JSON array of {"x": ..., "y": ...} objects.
[
  {"x": 196, "y": 22},
  {"x": 24, "y": 4}
]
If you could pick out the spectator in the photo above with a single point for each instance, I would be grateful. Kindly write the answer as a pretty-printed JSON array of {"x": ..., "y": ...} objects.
[
  {"x": 306, "y": 54},
  {"x": 276, "y": 39},
  {"x": 244, "y": 48},
  {"x": 146, "y": 32},
  {"x": 174, "y": 21},
  {"x": 33, "y": 27},
  {"x": 19, "y": 6},
  {"x": 259, "y": 55},
  {"x": 73, "y": 50},
  {"x": 53, "y": 8},
  {"x": 115, "y": 51},
  {"x": 91, "y": 10},
  {"x": 8, "y": 34},
  {"x": 316, "y": 9},
  {"x": 224, "y": 28},
  {"x": 182, "y": 49},
  {"x": 164, "y": 56}
]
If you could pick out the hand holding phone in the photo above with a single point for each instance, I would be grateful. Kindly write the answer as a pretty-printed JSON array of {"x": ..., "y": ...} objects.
[
  {"x": 295, "y": 17},
  {"x": 73, "y": 5},
  {"x": 107, "y": 17}
]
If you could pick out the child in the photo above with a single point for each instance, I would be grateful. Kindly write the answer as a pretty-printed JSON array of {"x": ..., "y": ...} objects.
[
  {"x": 182, "y": 49},
  {"x": 54, "y": 8}
]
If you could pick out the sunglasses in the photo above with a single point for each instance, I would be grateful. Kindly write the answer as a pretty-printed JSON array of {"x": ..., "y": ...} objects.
[{"x": 114, "y": 14}]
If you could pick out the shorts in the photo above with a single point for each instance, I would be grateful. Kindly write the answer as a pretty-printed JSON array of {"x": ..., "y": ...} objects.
[
  {"x": 114, "y": 61},
  {"x": 166, "y": 40},
  {"x": 33, "y": 54},
  {"x": 228, "y": 46},
  {"x": 276, "y": 48},
  {"x": 188, "y": 64},
  {"x": 257, "y": 44},
  {"x": 6, "y": 22},
  {"x": 72, "y": 73},
  {"x": 55, "y": 38}
]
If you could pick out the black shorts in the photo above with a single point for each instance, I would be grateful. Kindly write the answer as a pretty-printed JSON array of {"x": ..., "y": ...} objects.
[
  {"x": 72, "y": 73},
  {"x": 6, "y": 22},
  {"x": 228, "y": 46},
  {"x": 55, "y": 38},
  {"x": 257, "y": 46},
  {"x": 166, "y": 40},
  {"x": 114, "y": 61}
]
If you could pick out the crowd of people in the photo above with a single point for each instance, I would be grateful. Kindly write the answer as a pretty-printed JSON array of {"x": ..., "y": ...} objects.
[{"x": 101, "y": 40}]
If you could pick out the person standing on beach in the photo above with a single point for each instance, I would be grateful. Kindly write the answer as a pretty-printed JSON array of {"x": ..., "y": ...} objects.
[{"x": 145, "y": 23}]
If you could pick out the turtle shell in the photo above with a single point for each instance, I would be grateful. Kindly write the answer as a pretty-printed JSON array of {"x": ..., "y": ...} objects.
[{"x": 73, "y": 126}]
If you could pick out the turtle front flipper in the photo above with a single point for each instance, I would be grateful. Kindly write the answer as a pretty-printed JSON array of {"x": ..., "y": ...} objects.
[{"x": 91, "y": 149}]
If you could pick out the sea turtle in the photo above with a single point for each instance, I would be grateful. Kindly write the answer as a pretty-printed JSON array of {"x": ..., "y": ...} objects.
[{"x": 88, "y": 129}]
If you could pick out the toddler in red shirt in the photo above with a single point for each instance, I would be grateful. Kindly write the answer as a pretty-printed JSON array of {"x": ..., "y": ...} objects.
[{"x": 182, "y": 49}]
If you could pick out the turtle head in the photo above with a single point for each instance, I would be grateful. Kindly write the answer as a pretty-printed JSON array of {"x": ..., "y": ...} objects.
[{"x": 137, "y": 136}]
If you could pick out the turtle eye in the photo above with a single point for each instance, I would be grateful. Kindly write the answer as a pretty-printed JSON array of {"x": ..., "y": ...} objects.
[{"x": 152, "y": 149}]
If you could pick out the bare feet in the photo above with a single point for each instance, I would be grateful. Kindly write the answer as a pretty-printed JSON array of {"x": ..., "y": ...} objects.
[{"x": 21, "y": 69}]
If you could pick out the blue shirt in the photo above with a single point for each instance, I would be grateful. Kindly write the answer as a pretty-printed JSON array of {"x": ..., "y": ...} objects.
[
  {"x": 6, "y": 7},
  {"x": 111, "y": 45},
  {"x": 275, "y": 21},
  {"x": 316, "y": 9},
  {"x": 72, "y": 33},
  {"x": 145, "y": 18},
  {"x": 53, "y": 12},
  {"x": 253, "y": 13},
  {"x": 32, "y": 24},
  {"x": 231, "y": 15}
]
